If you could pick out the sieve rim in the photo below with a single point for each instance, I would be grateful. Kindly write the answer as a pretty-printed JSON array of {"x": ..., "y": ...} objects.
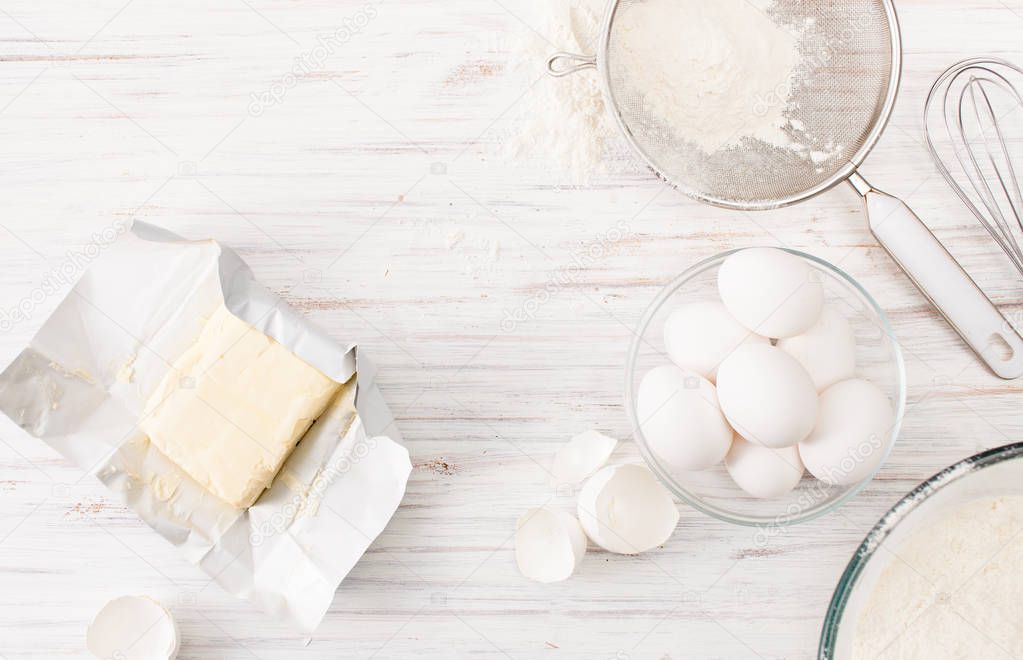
[{"x": 841, "y": 174}]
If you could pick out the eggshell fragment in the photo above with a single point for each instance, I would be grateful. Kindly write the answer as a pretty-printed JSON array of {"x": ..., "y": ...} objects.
[
  {"x": 827, "y": 350},
  {"x": 771, "y": 292},
  {"x": 764, "y": 472},
  {"x": 681, "y": 420},
  {"x": 699, "y": 336},
  {"x": 625, "y": 510},
  {"x": 580, "y": 457},
  {"x": 549, "y": 545},
  {"x": 853, "y": 433},
  {"x": 133, "y": 628},
  {"x": 767, "y": 396}
]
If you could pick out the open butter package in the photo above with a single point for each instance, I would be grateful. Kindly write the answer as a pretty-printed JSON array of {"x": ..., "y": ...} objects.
[{"x": 234, "y": 428}]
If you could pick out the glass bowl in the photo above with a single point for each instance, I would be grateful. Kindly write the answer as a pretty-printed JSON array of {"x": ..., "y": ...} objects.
[
  {"x": 995, "y": 472},
  {"x": 713, "y": 492}
]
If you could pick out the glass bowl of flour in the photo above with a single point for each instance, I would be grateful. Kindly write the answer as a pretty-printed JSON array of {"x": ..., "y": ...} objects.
[
  {"x": 714, "y": 491},
  {"x": 940, "y": 575}
]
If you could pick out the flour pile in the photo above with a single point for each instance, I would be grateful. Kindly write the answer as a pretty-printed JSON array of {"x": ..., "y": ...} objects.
[
  {"x": 712, "y": 71},
  {"x": 562, "y": 125},
  {"x": 954, "y": 590}
]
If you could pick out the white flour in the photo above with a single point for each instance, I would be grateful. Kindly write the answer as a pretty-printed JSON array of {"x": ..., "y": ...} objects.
[
  {"x": 954, "y": 590},
  {"x": 713, "y": 71},
  {"x": 562, "y": 125}
]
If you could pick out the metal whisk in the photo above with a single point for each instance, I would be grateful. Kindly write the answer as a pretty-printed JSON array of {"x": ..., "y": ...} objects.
[{"x": 976, "y": 142}]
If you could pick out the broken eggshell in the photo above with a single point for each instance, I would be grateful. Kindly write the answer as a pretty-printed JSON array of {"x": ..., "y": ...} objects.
[
  {"x": 549, "y": 545},
  {"x": 580, "y": 457},
  {"x": 133, "y": 628},
  {"x": 625, "y": 510}
]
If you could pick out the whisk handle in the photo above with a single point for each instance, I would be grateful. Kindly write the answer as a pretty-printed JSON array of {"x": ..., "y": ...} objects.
[{"x": 943, "y": 281}]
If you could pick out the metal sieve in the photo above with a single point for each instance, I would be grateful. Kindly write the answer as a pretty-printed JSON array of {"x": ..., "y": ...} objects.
[{"x": 846, "y": 84}]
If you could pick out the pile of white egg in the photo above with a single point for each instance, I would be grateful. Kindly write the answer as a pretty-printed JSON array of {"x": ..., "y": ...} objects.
[{"x": 765, "y": 380}]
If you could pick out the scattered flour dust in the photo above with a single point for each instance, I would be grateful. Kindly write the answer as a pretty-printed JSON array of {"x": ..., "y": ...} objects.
[
  {"x": 471, "y": 239},
  {"x": 712, "y": 71},
  {"x": 954, "y": 590},
  {"x": 562, "y": 124}
]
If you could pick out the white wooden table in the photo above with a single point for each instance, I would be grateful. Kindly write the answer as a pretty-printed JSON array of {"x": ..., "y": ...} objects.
[{"x": 369, "y": 197}]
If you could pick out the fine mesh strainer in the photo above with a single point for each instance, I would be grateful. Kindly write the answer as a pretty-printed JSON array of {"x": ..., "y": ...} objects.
[{"x": 847, "y": 81}]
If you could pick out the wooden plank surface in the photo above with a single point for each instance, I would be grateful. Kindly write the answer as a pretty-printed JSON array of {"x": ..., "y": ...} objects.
[{"x": 371, "y": 196}]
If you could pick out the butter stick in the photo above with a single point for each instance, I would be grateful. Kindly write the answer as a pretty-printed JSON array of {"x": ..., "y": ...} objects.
[{"x": 233, "y": 407}]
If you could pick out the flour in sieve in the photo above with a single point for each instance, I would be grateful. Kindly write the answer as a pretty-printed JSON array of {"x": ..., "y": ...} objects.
[
  {"x": 953, "y": 590},
  {"x": 712, "y": 71}
]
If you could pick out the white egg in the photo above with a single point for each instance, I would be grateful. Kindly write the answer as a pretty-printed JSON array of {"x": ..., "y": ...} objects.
[
  {"x": 699, "y": 336},
  {"x": 767, "y": 396},
  {"x": 852, "y": 435},
  {"x": 761, "y": 471},
  {"x": 827, "y": 350},
  {"x": 681, "y": 420},
  {"x": 772, "y": 292}
]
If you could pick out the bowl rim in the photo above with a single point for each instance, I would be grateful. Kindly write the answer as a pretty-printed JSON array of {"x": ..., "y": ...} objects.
[
  {"x": 662, "y": 474},
  {"x": 884, "y": 527}
]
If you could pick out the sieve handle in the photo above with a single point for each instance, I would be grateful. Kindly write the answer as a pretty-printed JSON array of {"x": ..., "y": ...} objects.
[
  {"x": 943, "y": 281},
  {"x": 563, "y": 64}
]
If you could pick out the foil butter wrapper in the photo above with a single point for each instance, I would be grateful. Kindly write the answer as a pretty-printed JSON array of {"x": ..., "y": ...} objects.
[{"x": 82, "y": 383}]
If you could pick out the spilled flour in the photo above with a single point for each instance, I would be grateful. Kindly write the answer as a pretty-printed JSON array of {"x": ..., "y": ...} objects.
[
  {"x": 712, "y": 71},
  {"x": 955, "y": 589},
  {"x": 562, "y": 125}
]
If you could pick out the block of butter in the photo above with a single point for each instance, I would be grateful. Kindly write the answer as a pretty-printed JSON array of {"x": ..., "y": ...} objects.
[{"x": 232, "y": 408}]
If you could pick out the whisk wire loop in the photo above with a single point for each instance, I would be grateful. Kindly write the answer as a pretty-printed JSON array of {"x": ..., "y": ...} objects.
[{"x": 977, "y": 96}]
